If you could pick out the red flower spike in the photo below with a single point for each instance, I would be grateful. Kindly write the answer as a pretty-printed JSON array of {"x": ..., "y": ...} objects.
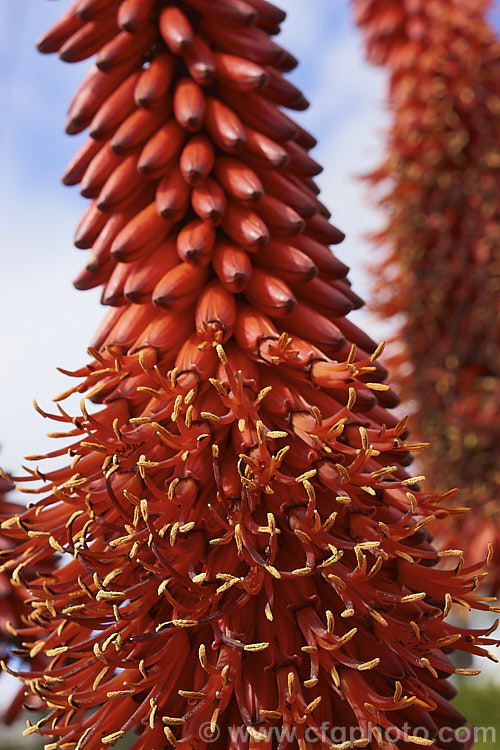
[
  {"x": 441, "y": 243},
  {"x": 240, "y": 546}
]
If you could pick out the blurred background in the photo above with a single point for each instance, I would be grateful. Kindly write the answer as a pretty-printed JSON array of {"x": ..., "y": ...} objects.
[{"x": 45, "y": 323}]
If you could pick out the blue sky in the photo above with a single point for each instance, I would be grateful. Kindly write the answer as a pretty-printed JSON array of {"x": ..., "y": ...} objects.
[{"x": 44, "y": 321}]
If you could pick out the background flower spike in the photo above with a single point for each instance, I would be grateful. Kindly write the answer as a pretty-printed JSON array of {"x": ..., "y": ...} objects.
[{"x": 437, "y": 273}]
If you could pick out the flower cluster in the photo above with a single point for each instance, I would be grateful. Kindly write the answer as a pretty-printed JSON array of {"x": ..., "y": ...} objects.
[
  {"x": 11, "y": 598},
  {"x": 13, "y": 608},
  {"x": 441, "y": 265},
  {"x": 239, "y": 543},
  {"x": 11, "y": 602}
]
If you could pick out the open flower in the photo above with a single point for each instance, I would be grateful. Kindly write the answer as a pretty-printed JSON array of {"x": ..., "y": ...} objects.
[
  {"x": 441, "y": 265},
  {"x": 240, "y": 546}
]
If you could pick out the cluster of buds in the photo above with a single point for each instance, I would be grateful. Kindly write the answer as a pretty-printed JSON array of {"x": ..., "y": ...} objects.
[
  {"x": 239, "y": 544},
  {"x": 441, "y": 267}
]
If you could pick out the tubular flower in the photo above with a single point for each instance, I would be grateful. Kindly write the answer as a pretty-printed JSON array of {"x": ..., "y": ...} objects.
[
  {"x": 441, "y": 269},
  {"x": 241, "y": 550}
]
